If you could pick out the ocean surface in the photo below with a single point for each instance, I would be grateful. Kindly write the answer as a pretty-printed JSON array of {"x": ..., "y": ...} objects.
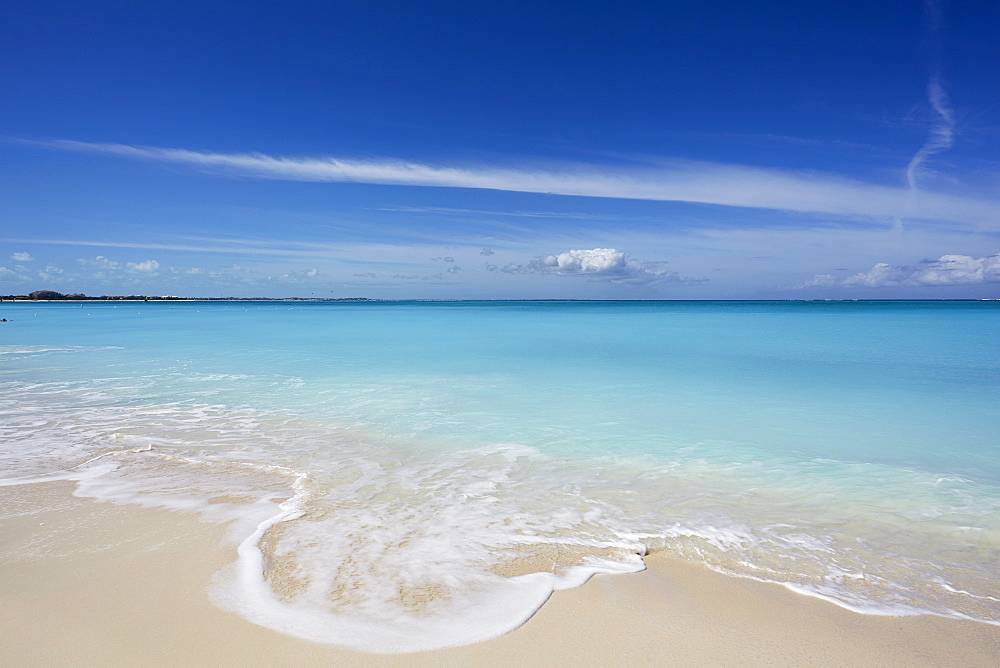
[{"x": 399, "y": 476}]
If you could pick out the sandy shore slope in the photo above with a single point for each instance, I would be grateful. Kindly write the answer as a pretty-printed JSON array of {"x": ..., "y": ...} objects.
[{"x": 87, "y": 583}]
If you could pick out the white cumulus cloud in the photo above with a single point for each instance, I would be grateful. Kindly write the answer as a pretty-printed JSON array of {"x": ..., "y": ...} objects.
[
  {"x": 600, "y": 264},
  {"x": 144, "y": 267},
  {"x": 51, "y": 272},
  {"x": 596, "y": 261},
  {"x": 946, "y": 270},
  {"x": 100, "y": 262},
  {"x": 102, "y": 266},
  {"x": 22, "y": 257},
  {"x": 820, "y": 281}
]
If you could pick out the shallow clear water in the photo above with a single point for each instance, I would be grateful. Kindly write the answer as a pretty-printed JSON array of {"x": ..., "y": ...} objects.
[{"x": 412, "y": 475}]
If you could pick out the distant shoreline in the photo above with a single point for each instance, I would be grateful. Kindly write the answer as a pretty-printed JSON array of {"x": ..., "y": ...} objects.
[
  {"x": 145, "y": 299},
  {"x": 151, "y": 298}
]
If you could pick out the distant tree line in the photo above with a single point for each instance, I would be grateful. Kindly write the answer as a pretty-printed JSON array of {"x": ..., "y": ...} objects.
[{"x": 51, "y": 295}]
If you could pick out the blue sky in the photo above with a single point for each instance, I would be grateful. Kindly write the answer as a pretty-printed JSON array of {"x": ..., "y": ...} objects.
[{"x": 501, "y": 150}]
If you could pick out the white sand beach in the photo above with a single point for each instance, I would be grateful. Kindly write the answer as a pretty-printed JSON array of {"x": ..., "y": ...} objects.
[{"x": 89, "y": 583}]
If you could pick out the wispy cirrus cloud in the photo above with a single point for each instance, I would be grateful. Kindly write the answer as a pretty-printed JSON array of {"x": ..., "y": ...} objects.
[
  {"x": 244, "y": 249},
  {"x": 680, "y": 181},
  {"x": 257, "y": 247},
  {"x": 448, "y": 211},
  {"x": 941, "y": 136}
]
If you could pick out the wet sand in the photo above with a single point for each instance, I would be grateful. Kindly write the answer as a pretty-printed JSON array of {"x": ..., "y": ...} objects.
[{"x": 88, "y": 583}]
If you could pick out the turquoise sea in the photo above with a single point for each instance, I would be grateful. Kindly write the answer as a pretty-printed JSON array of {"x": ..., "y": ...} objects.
[{"x": 399, "y": 476}]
